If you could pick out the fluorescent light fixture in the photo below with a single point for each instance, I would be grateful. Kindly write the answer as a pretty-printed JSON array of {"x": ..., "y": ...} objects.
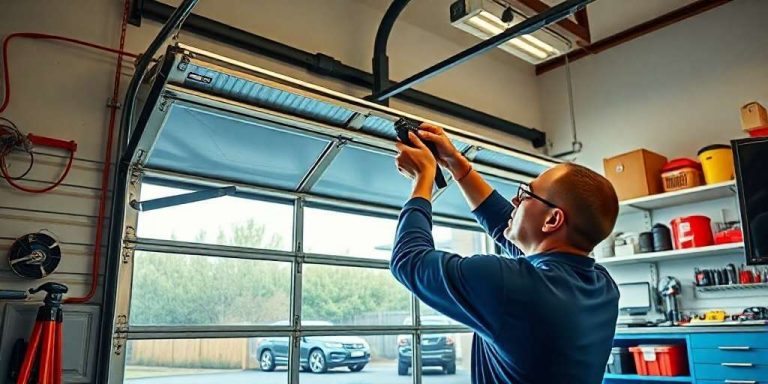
[{"x": 481, "y": 18}]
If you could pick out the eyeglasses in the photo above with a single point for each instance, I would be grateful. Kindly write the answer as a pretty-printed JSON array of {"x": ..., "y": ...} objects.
[{"x": 525, "y": 189}]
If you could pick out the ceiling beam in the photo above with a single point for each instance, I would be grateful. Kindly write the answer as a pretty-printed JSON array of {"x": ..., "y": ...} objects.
[
  {"x": 566, "y": 26},
  {"x": 626, "y": 35}
]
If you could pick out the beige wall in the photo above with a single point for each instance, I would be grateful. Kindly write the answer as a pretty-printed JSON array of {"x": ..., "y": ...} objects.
[{"x": 672, "y": 91}]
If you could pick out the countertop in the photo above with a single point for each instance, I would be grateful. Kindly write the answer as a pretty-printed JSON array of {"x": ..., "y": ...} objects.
[{"x": 703, "y": 329}]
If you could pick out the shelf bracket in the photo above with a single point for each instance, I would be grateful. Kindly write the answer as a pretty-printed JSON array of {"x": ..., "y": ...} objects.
[{"x": 647, "y": 219}]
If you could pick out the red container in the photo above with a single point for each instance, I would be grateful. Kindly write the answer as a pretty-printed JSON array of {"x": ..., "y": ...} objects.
[
  {"x": 732, "y": 235},
  {"x": 681, "y": 174},
  {"x": 691, "y": 232},
  {"x": 758, "y": 132},
  {"x": 660, "y": 360}
]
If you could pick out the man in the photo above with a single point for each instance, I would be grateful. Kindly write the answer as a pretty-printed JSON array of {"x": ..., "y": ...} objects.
[{"x": 545, "y": 314}]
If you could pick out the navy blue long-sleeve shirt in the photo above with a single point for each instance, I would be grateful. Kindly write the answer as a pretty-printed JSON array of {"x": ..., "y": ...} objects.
[{"x": 546, "y": 318}]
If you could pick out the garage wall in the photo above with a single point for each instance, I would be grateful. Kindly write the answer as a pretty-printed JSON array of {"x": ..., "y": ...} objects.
[
  {"x": 61, "y": 91},
  {"x": 672, "y": 91}
]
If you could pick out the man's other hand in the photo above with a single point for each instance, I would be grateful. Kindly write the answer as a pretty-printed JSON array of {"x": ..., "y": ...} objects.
[
  {"x": 415, "y": 162},
  {"x": 448, "y": 156}
]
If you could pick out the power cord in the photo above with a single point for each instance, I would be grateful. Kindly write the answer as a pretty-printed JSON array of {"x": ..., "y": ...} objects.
[{"x": 12, "y": 139}]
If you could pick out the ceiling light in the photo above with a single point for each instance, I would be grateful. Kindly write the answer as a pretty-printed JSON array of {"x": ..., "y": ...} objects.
[{"x": 482, "y": 18}]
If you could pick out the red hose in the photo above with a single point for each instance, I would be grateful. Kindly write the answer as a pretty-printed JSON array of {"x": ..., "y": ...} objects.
[
  {"x": 107, "y": 161},
  {"x": 45, "y": 36},
  {"x": 13, "y": 183}
]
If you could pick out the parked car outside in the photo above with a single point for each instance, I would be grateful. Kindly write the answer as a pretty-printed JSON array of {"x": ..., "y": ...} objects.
[
  {"x": 437, "y": 350},
  {"x": 317, "y": 354}
]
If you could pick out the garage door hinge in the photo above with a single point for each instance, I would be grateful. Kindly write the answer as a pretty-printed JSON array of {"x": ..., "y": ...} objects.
[
  {"x": 127, "y": 254},
  {"x": 163, "y": 104},
  {"x": 121, "y": 334},
  {"x": 130, "y": 234},
  {"x": 136, "y": 170}
]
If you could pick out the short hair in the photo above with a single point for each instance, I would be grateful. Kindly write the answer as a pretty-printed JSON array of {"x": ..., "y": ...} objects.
[{"x": 590, "y": 203}]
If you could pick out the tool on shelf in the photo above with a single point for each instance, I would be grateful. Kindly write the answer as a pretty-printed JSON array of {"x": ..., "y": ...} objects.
[{"x": 669, "y": 288}]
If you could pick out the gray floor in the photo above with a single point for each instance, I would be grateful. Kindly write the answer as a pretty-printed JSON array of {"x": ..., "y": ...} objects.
[{"x": 376, "y": 373}]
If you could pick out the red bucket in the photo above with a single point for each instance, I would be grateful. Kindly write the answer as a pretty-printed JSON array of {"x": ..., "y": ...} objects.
[{"x": 692, "y": 232}]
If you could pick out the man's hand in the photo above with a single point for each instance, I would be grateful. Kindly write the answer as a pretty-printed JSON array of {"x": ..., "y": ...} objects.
[
  {"x": 417, "y": 164},
  {"x": 448, "y": 156}
]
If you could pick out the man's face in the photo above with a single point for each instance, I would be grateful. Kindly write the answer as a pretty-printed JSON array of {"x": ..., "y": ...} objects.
[{"x": 524, "y": 227}]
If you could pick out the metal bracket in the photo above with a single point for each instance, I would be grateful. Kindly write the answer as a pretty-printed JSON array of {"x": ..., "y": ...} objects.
[
  {"x": 127, "y": 253},
  {"x": 322, "y": 163},
  {"x": 163, "y": 104},
  {"x": 112, "y": 103},
  {"x": 647, "y": 220},
  {"x": 471, "y": 152},
  {"x": 183, "y": 63},
  {"x": 356, "y": 121},
  {"x": 121, "y": 334},
  {"x": 129, "y": 234},
  {"x": 185, "y": 198},
  {"x": 136, "y": 173}
]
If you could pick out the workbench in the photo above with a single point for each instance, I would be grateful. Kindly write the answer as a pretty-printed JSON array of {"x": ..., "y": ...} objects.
[{"x": 730, "y": 355}]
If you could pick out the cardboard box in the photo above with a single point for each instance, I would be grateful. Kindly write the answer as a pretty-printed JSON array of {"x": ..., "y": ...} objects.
[
  {"x": 753, "y": 116},
  {"x": 634, "y": 174}
]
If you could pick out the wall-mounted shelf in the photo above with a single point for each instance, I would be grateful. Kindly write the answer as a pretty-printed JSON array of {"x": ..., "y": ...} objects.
[
  {"x": 655, "y": 379},
  {"x": 735, "y": 287},
  {"x": 677, "y": 254},
  {"x": 727, "y": 291},
  {"x": 685, "y": 196}
]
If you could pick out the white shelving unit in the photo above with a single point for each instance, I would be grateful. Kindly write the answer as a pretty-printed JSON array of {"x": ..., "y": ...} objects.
[
  {"x": 677, "y": 254},
  {"x": 685, "y": 196},
  {"x": 647, "y": 204}
]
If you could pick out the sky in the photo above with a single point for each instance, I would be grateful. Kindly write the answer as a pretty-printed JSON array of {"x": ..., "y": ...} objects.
[{"x": 325, "y": 231}]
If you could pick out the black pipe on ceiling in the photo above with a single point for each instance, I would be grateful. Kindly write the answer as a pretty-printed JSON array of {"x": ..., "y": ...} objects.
[
  {"x": 380, "y": 58},
  {"x": 328, "y": 66},
  {"x": 530, "y": 25}
]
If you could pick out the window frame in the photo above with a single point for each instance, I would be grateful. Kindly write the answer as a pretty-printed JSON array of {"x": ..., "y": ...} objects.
[{"x": 295, "y": 256}]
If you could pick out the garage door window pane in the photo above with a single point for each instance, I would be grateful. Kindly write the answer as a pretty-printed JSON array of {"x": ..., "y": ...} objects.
[
  {"x": 207, "y": 361},
  {"x": 351, "y": 360},
  {"x": 353, "y": 296},
  {"x": 461, "y": 241},
  {"x": 225, "y": 220},
  {"x": 446, "y": 358},
  {"x": 170, "y": 289},
  {"x": 346, "y": 234}
]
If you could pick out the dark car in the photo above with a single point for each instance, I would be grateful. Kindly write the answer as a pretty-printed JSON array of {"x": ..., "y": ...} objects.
[
  {"x": 317, "y": 353},
  {"x": 437, "y": 350}
]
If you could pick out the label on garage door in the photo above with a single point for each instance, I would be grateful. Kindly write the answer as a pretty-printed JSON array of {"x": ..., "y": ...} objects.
[{"x": 199, "y": 78}]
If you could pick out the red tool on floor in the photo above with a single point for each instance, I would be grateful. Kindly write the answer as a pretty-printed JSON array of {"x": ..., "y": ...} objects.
[{"x": 46, "y": 338}]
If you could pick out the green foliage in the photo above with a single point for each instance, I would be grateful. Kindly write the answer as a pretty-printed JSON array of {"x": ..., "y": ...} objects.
[{"x": 185, "y": 289}]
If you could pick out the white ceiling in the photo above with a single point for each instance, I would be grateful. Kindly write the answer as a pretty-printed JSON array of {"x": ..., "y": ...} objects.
[{"x": 606, "y": 17}]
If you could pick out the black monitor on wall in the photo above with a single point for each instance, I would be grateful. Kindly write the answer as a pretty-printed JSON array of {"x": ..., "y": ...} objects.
[{"x": 751, "y": 161}]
